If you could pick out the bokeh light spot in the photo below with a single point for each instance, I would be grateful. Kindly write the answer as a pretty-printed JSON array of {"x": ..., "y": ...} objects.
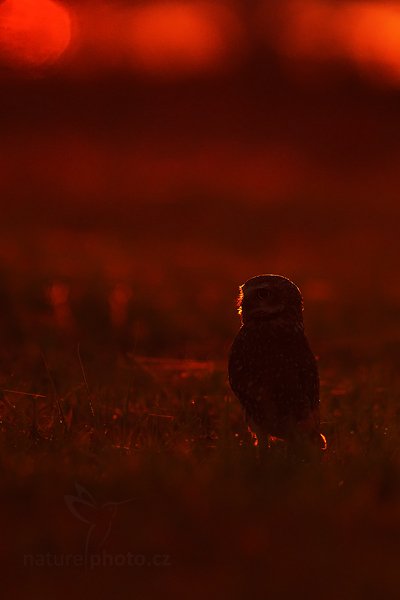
[
  {"x": 371, "y": 34},
  {"x": 309, "y": 30},
  {"x": 364, "y": 34},
  {"x": 33, "y": 33},
  {"x": 183, "y": 37}
]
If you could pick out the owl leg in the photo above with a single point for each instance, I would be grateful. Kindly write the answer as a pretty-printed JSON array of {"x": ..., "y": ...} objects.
[
  {"x": 270, "y": 449},
  {"x": 306, "y": 438},
  {"x": 305, "y": 447}
]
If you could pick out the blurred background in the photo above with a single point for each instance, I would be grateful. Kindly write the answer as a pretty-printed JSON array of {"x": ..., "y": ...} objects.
[{"x": 156, "y": 154}]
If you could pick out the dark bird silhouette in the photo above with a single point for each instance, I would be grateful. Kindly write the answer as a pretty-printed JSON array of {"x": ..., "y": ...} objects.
[{"x": 272, "y": 369}]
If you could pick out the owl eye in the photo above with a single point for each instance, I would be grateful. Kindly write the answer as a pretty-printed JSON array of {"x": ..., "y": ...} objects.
[{"x": 264, "y": 294}]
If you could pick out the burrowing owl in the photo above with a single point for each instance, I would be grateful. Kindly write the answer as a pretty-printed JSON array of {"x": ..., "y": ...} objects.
[{"x": 272, "y": 370}]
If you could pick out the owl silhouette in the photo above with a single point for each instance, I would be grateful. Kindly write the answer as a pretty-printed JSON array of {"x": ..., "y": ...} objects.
[{"x": 272, "y": 369}]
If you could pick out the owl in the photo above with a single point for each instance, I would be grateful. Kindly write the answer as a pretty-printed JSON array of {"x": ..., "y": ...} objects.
[{"x": 272, "y": 369}]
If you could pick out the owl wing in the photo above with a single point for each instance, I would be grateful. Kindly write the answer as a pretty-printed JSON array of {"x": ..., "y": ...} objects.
[
  {"x": 246, "y": 371},
  {"x": 297, "y": 387},
  {"x": 276, "y": 379}
]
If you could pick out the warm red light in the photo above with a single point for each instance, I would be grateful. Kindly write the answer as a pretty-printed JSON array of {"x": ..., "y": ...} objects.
[
  {"x": 309, "y": 29},
  {"x": 119, "y": 299},
  {"x": 182, "y": 36},
  {"x": 366, "y": 34},
  {"x": 33, "y": 33},
  {"x": 371, "y": 36}
]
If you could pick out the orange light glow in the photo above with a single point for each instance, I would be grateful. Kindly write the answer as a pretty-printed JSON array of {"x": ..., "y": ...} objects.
[
  {"x": 182, "y": 37},
  {"x": 254, "y": 437},
  {"x": 371, "y": 36},
  {"x": 366, "y": 34},
  {"x": 58, "y": 294},
  {"x": 33, "y": 33},
  {"x": 309, "y": 30},
  {"x": 119, "y": 299}
]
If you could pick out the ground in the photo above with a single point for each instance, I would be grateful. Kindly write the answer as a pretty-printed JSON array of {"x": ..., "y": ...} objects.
[{"x": 125, "y": 460}]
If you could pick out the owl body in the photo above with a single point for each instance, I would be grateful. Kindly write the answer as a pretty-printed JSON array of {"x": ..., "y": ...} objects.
[{"x": 272, "y": 369}]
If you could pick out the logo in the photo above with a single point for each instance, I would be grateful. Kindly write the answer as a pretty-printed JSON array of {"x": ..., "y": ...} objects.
[{"x": 98, "y": 517}]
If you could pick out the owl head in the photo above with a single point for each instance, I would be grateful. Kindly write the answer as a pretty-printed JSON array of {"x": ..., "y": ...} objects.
[{"x": 270, "y": 297}]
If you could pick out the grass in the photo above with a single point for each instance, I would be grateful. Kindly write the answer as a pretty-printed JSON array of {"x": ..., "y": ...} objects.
[
  {"x": 168, "y": 436},
  {"x": 144, "y": 433}
]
